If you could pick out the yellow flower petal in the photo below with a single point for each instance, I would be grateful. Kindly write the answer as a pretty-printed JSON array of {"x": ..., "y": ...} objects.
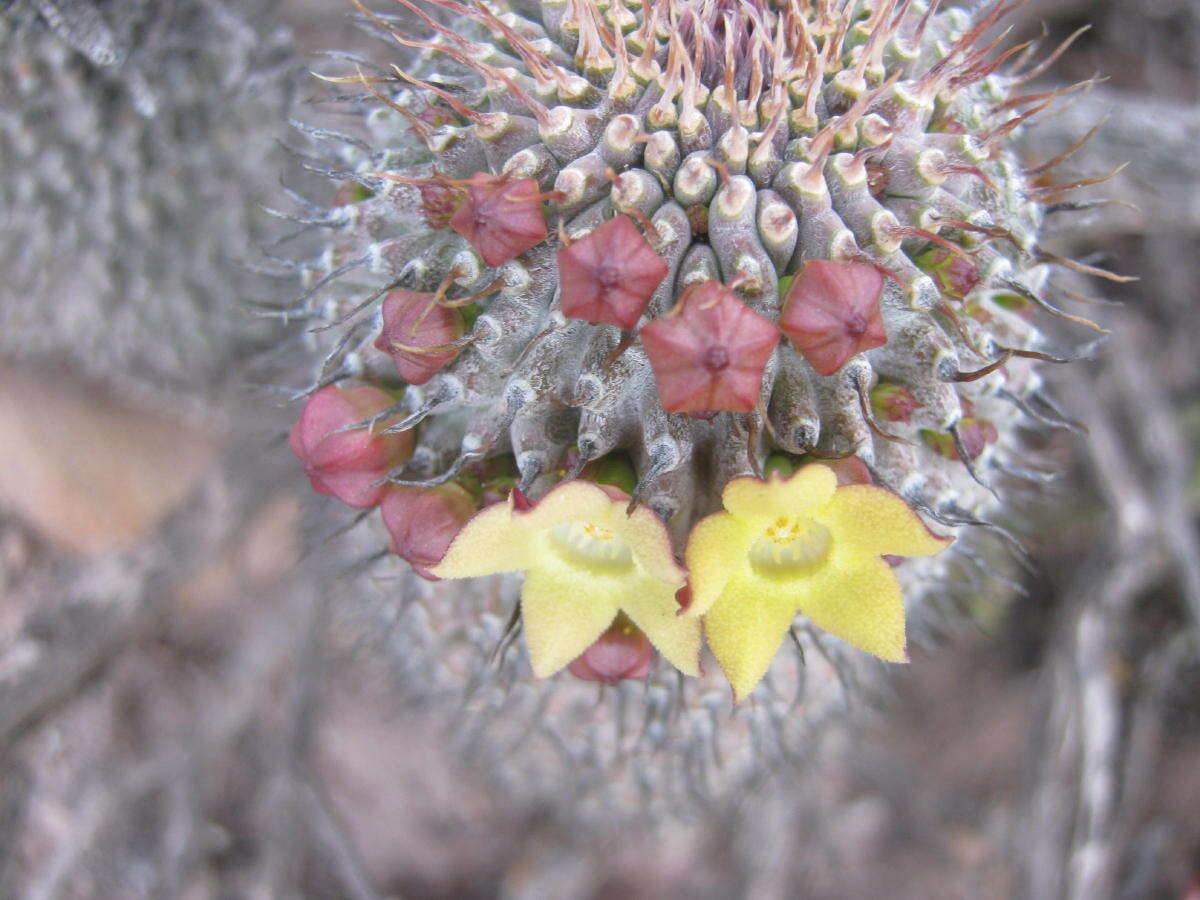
[
  {"x": 570, "y": 501},
  {"x": 715, "y": 548},
  {"x": 489, "y": 543},
  {"x": 745, "y": 628},
  {"x": 756, "y": 500},
  {"x": 652, "y": 607},
  {"x": 858, "y": 600},
  {"x": 651, "y": 544},
  {"x": 876, "y": 521},
  {"x": 563, "y": 611}
]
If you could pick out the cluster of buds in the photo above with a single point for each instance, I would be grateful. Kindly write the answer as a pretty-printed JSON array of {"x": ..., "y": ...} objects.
[{"x": 775, "y": 262}]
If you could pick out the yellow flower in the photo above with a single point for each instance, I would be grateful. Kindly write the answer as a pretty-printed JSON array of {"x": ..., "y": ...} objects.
[
  {"x": 585, "y": 560},
  {"x": 801, "y": 545}
]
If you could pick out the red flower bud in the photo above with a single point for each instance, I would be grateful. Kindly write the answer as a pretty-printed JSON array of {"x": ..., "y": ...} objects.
[
  {"x": 975, "y": 434},
  {"x": 893, "y": 403},
  {"x": 423, "y": 522},
  {"x": 345, "y": 464},
  {"x": 621, "y": 652},
  {"x": 956, "y": 275},
  {"x": 416, "y": 333},
  {"x": 500, "y": 218},
  {"x": 831, "y": 312},
  {"x": 609, "y": 274},
  {"x": 849, "y": 470},
  {"x": 709, "y": 352}
]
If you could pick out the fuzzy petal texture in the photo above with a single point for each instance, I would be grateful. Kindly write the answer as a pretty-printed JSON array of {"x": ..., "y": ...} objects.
[
  {"x": 563, "y": 612},
  {"x": 572, "y": 501},
  {"x": 755, "y": 500},
  {"x": 576, "y": 581},
  {"x": 651, "y": 545},
  {"x": 487, "y": 545},
  {"x": 876, "y": 521},
  {"x": 860, "y": 603},
  {"x": 653, "y": 608},
  {"x": 745, "y": 628},
  {"x": 716, "y": 546}
]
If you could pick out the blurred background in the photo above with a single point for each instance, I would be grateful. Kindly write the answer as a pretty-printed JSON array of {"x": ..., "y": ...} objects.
[{"x": 183, "y": 714}]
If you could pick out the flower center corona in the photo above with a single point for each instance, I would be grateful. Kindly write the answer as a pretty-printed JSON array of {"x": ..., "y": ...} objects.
[
  {"x": 790, "y": 546},
  {"x": 592, "y": 546}
]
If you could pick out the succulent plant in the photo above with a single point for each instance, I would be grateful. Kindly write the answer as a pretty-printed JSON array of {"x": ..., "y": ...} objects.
[{"x": 730, "y": 260}]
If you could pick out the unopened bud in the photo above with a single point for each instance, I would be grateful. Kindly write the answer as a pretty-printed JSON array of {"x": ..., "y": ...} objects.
[
  {"x": 423, "y": 521},
  {"x": 419, "y": 333},
  {"x": 348, "y": 464},
  {"x": 709, "y": 352},
  {"x": 621, "y": 652},
  {"x": 831, "y": 312}
]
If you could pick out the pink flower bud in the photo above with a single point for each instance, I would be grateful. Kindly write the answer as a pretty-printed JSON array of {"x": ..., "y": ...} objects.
[
  {"x": 831, "y": 312},
  {"x": 893, "y": 403},
  {"x": 417, "y": 332},
  {"x": 500, "y": 218},
  {"x": 956, "y": 275},
  {"x": 708, "y": 353},
  {"x": 976, "y": 434},
  {"x": 849, "y": 470},
  {"x": 345, "y": 464},
  {"x": 423, "y": 522},
  {"x": 621, "y": 652},
  {"x": 609, "y": 274}
]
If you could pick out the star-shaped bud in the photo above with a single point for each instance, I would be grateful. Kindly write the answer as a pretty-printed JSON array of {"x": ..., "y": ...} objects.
[
  {"x": 423, "y": 521},
  {"x": 708, "y": 353},
  {"x": 585, "y": 559},
  {"x": 609, "y": 274},
  {"x": 806, "y": 545},
  {"x": 419, "y": 334},
  {"x": 348, "y": 464},
  {"x": 499, "y": 217},
  {"x": 831, "y": 312},
  {"x": 620, "y": 652}
]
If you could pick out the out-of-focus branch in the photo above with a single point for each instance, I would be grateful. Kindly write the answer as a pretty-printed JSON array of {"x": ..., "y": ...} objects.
[{"x": 1095, "y": 747}]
